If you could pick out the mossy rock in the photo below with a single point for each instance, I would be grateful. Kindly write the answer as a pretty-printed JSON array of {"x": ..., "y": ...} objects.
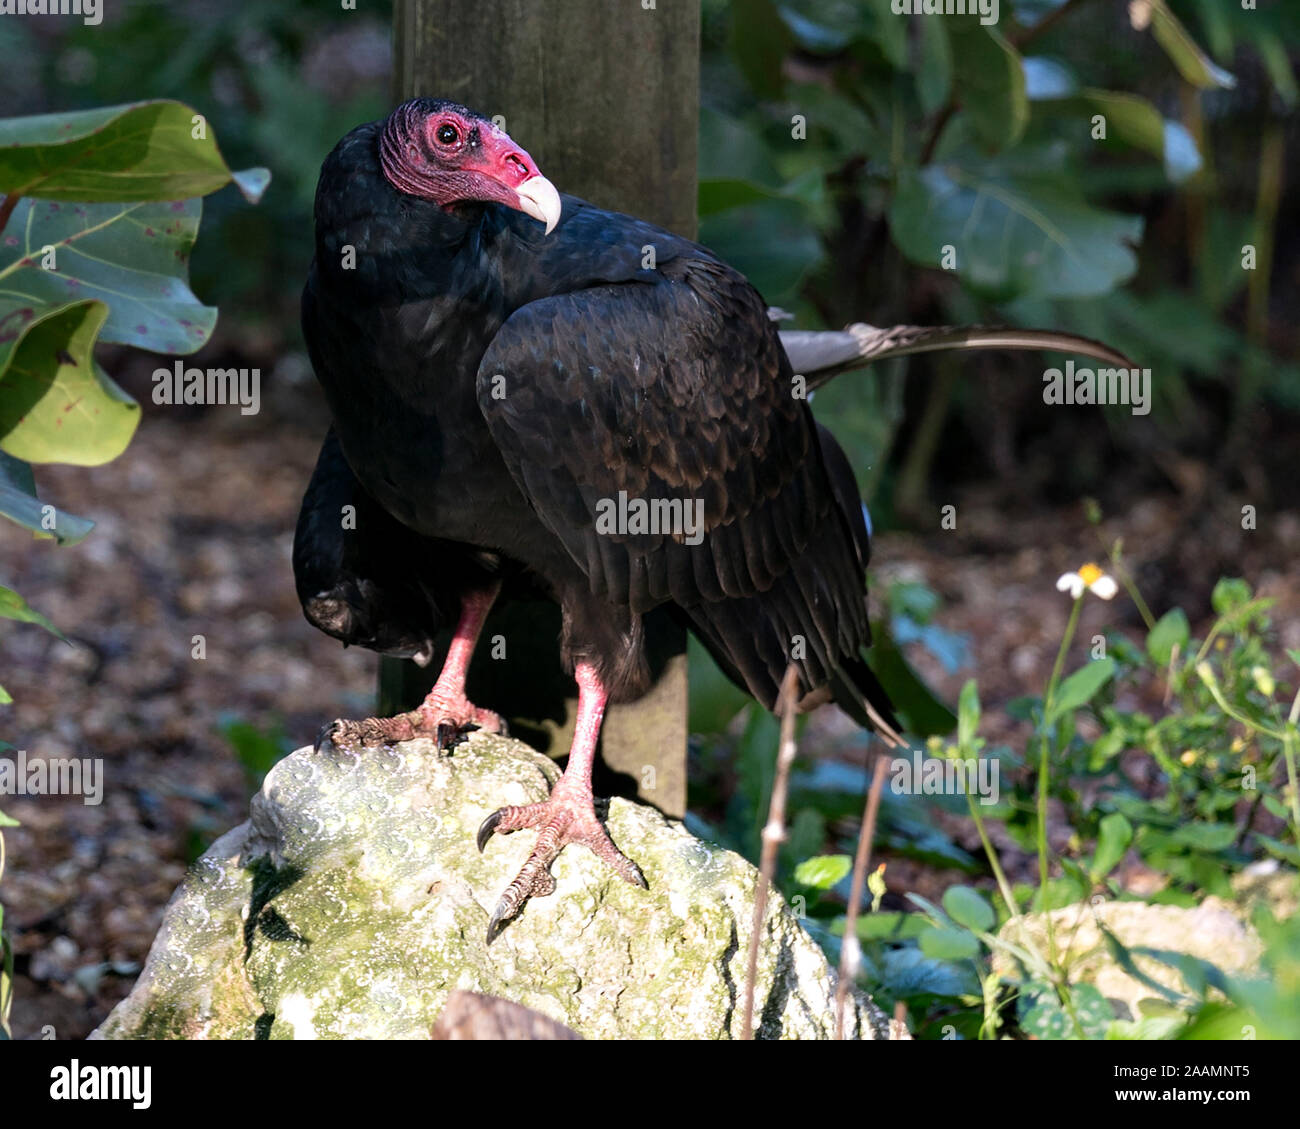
[{"x": 354, "y": 901}]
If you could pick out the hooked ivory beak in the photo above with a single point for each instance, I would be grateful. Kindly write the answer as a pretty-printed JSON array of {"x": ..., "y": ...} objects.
[{"x": 538, "y": 198}]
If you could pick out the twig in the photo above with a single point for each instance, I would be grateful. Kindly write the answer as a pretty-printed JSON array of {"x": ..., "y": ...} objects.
[
  {"x": 773, "y": 836},
  {"x": 936, "y": 131},
  {"x": 849, "y": 946},
  {"x": 1029, "y": 34}
]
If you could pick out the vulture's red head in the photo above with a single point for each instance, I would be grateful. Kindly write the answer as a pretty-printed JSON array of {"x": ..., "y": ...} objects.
[{"x": 443, "y": 152}]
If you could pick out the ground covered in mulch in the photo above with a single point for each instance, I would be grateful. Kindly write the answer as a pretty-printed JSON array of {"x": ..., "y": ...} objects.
[{"x": 193, "y": 537}]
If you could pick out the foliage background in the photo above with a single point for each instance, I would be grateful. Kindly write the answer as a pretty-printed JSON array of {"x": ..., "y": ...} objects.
[{"x": 845, "y": 224}]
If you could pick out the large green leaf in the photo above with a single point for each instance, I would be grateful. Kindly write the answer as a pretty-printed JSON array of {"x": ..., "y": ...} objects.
[
  {"x": 989, "y": 81},
  {"x": 773, "y": 243},
  {"x": 1134, "y": 121},
  {"x": 56, "y": 404},
  {"x": 19, "y": 503},
  {"x": 134, "y": 257},
  {"x": 142, "y": 151},
  {"x": 1015, "y": 230}
]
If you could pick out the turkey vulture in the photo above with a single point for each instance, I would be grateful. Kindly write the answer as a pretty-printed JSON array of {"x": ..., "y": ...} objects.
[{"x": 532, "y": 395}]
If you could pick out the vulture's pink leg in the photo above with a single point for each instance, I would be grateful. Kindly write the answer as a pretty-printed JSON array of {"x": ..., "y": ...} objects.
[
  {"x": 567, "y": 816},
  {"x": 445, "y": 713}
]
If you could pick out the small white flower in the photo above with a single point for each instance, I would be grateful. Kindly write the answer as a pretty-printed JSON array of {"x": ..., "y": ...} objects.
[{"x": 1091, "y": 578}]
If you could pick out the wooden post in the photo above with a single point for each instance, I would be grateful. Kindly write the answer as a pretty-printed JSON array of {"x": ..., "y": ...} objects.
[{"x": 604, "y": 94}]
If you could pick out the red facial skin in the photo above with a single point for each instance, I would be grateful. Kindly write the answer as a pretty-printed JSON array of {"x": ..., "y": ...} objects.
[{"x": 450, "y": 156}]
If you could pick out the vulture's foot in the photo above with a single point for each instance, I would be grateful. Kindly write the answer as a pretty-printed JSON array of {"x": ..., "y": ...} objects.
[
  {"x": 568, "y": 816},
  {"x": 444, "y": 720}
]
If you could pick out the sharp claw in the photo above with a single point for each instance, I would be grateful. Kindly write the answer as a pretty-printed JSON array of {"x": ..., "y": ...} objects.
[
  {"x": 325, "y": 734},
  {"x": 497, "y": 922},
  {"x": 485, "y": 830},
  {"x": 450, "y": 735}
]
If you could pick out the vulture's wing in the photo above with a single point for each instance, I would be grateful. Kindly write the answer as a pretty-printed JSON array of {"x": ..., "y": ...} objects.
[{"x": 677, "y": 393}]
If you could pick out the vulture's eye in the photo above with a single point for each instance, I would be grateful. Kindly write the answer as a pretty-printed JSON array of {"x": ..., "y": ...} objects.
[{"x": 447, "y": 135}]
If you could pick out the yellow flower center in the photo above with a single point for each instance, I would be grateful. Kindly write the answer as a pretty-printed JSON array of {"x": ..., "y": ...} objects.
[{"x": 1090, "y": 574}]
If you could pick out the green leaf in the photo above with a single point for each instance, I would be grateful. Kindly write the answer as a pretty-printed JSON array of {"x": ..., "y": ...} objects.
[
  {"x": 909, "y": 972},
  {"x": 1091, "y": 1010},
  {"x": 989, "y": 81},
  {"x": 56, "y": 404},
  {"x": 823, "y": 871},
  {"x": 133, "y": 257},
  {"x": 968, "y": 714},
  {"x": 1192, "y": 63},
  {"x": 935, "y": 66},
  {"x": 1015, "y": 231},
  {"x": 8, "y": 821},
  {"x": 5, "y": 697},
  {"x": 13, "y": 606},
  {"x": 949, "y": 944},
  {"x": 1136, "y": 122},
  {"x": 1229, "y": 594},
  {"x": 1080, "y": 688},
  {"x": 1113, "y": 839},
  {"x": 922, "y": 713},
  {"x": 760, "y": 41},
  {"x": 141, "y": 151},
  {"x": 891, "y": 926},
  {"x": 1043, "y": 1017},
  {"x": 773, "y": 243},
  {"x": 1171, "y": 630},
  {"x": 1205, "y": 836},
  {"x": 969, "y": 908},
  {"x": 19, "y": 503}
]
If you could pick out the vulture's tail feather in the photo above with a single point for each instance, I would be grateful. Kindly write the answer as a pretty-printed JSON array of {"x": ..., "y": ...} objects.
[{"x": 819, "y": 356}]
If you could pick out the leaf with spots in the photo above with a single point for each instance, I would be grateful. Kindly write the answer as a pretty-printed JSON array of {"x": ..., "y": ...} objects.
[
  {"x": 133, "y": 257},
  {"x": 56, "y": 404}
]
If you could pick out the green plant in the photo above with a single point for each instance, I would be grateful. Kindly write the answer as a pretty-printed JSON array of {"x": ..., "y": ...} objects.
[
  {"x": 1225, "y": 749},
  {"x": 98, "y": 212}
]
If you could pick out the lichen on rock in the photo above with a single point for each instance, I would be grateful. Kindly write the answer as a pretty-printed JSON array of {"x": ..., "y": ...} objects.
[{"x": 354, "y": 901}]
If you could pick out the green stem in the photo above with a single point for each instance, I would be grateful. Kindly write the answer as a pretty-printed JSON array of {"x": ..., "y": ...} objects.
[{"x": 1050, "y": 696}]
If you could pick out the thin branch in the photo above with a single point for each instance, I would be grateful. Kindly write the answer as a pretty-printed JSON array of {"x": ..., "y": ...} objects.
[
  {"x": 773, "y": 836},
  {"x": 936, "y": 131},
  {"x": 849, "y": 946},
  {"x": 1029, "y": 34}
]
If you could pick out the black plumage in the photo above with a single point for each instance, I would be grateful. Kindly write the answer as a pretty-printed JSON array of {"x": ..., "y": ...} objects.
[
  {"x": 496, "y": 384},
  {"x": 490, "y": 384}
]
